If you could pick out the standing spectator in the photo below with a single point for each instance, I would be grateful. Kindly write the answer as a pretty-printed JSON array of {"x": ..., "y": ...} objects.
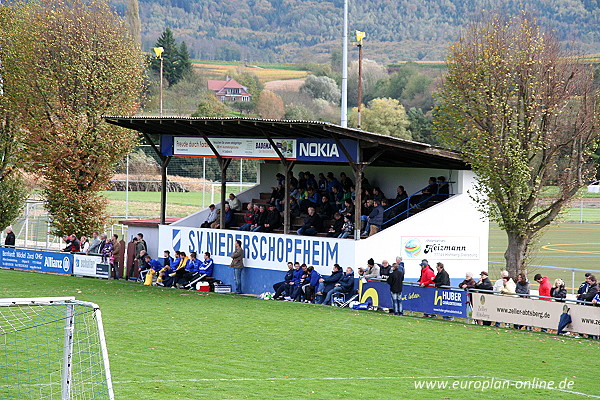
[
  {"x": 508, "y": 285},
  {"x": 95, "y": 244},
  {"x": 396, "y": 280},
  {"x": 427, "y": 274},
  {"x": 468, "y": 283},
  {"x": 441, "y": 280},
  {"x": 73, "y": 245},
  {"x": 544, "y": 290},
  {"x": 116, "y": 256},
  {"x": 103, "y": 244},
  {"x": 237, "y": 263},
  {"x": 499, "y": 284},
  {"x": 234, "y": 203},
  {"x": 140, "y": 245},
  {"x": 583, "y": 288},
  {"x": 385, "y": 269},
  {"x": 484, "y": 283},
  {"x": 312, "y": 224},
  {"x": 84, "y": 244},
  {"x": 375, "y": 218},
  {"x": 522, "y": 289},
  {"x": 107, "y": 251},
  {"x": 10, "y": 237},
  {"x": 558, "y": 291},
  {"x": 592, "y": 289},
  {"x": 210, "y": 218}
]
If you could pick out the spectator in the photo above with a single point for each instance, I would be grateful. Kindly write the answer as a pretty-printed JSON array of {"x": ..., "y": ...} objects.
[
  {"x": 234, "y": 203},
  {"x": 294, "y": 208},
  {"x": 326, "y": 209},
  {"x": 558, "y": 291},
  {"x": 372, "y": 270},
  {"x": 344, "y": 285},
  {"x": 149, "y": 265},
  {"x": 427, "y": 274},
  {"x": 396, "y": 280},
  {"x": 366, "y": 209},
  {"x": 291, "y": 286},
  {"x": 322, "y": 183},
  {"x": 484, "y": 283},
  {"x": 279, "y": 287},
  {"x": 95, "y": 244},
  {"x": 277, "y": 195},
  {"x": 337, "y": 198},
  {"x": 237, "y": 263},
  {"x": 331, "y": 182},
  {"x": 400, "y": 262},
  {"x": 167, "y": 259},
  {"x": 375, "y": 218},
  {"x": 312, "y": 224},
  {"x": 10, "y": 237},
  {"x": 508, "y": 285},
  {"x": 107, "y": 251},
  {"x": 499, "y": 284},
  {"x": 443, "y": 190},
  {"x": 385, "y": 269},
  {"x": 273, "y": 220},
  {"x": 229, "y": 218},
  {"x": 140, "y": 244},
  {"x": 207, "y": 266},
  {"x": 311, "y": 288},
  {"x": 212, "y": 217},
  {"x": 183, "y": 276},
  {"x": 116, "y": 256},
  {"x": 335, "y": 230},
  {"x": 347, "y": 228},
  {"x": 311, "y": 200},
  {"x": 103, "y": 243},
  {"x": 522, "y": 289},
  {"x": 592, "y": 289},
  {"x": 327, "y": 283},
  {"x": 378, "y": 194},
  {"x": 310, "y": 180},
  {"x": 297, "y": 292},
  {"x": 260, "y": 219},
  {"x": 401, "y": 196},
  {"x": 249, "y": 217},
  {"x": 345, "y": 181},
  {"x": 468, "y": 283},
  {"x": 544, "y": 289},
  {"x": 583, "y": 288},
  {"x": 73, "y": 244},
  {"x": 84, "y": 244},
  {"x": 348, "y": 208}
]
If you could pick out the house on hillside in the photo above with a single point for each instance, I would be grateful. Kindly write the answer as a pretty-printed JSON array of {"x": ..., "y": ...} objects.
[{"x": 229, "y": 90}]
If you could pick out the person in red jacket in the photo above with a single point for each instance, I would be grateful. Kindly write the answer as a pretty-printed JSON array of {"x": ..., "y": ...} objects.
[
  {"x": 545, "y": 286},
  {"x": 427, "y": 274},
  {"x": 426, "y": 279}
]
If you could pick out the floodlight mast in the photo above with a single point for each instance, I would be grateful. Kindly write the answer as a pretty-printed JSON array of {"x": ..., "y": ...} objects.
[{"x": 344, "y": 116}]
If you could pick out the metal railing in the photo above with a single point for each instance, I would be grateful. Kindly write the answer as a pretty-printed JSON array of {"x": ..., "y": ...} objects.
[{"x": 408, "y": 203}]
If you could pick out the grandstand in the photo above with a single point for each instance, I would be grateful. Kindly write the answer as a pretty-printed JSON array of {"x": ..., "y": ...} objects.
[{"x": 445, "y": 228}]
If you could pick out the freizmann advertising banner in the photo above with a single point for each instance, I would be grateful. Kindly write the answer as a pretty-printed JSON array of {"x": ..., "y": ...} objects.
[
  {"x": 44, "y": 261},
  {"x": 415, "y": 298},
  {"x": 441, "y": 247},
  {"x": 262, "y": 250},
  {"x": 89, "y": 266},
  {"x": 535, "y": 312},
  {"x": 322, "y": 150}
]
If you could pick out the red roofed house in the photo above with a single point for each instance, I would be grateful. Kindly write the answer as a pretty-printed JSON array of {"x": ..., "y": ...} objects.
[{"x": 229, "y": 90}]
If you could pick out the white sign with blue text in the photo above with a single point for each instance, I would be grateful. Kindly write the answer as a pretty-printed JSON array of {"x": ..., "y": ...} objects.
[{"x": 262, "y": 250}]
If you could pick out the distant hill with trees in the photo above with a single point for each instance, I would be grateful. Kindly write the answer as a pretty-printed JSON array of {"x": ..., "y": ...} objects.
[{"x": 307, "y": 30}]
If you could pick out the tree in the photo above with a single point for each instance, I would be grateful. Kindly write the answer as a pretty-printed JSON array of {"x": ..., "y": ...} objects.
[
  {"x": 421, "y": 126},
  {"x": 523, "y": 113},
  {"x": 385, "y": 116},
  {"x": 210, "y": 106},
  {"x": 270, "y": 105},
  {"x": 371, "y": 74},
  {"x": 176, "y": 59},
  {"x": 70, "y": 63},
  {"x": 322, "y": 87}
]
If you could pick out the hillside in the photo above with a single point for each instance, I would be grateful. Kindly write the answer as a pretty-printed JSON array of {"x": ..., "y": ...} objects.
[{"x": 308, "y": 30}]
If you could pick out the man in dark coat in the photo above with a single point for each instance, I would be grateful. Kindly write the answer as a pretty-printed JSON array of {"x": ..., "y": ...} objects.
[
  {"x": 344, "y": 285},
  {"x": 327, "y": 283},
  {"x": 396, "y": 281},
  {"x": 10, "y": 237},
  {"x": 312, "y": 224},
  {"x": 442, "y": 278}
]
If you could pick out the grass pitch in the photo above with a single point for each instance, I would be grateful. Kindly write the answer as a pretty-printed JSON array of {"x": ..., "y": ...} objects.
[{"x": 171, "y": 344}]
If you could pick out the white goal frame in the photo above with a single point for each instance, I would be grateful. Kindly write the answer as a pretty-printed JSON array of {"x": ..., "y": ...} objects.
[{"x": 70, "y": 325}]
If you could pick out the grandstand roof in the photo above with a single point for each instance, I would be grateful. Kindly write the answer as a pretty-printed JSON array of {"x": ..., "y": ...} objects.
[{"x": 396, "y": 152}]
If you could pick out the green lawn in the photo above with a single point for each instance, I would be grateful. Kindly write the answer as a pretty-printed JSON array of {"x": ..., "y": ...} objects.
[{"x": 169, "y": 344}]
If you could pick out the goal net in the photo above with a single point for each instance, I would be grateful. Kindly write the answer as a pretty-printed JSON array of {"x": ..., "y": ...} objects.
[{"x": 53, "y": 348}]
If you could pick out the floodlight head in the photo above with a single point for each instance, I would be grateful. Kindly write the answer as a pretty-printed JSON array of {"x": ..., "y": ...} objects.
[
  {"x": 158, "y": 51},
  {"x": 360, "y": 36}
]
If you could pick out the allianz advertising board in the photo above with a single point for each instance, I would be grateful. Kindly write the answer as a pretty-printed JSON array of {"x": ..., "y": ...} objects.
[{"x": 34, "y": 260}]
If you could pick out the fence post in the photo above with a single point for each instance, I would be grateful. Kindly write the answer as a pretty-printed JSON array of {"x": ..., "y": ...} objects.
[{"x": 26, "y": 223}]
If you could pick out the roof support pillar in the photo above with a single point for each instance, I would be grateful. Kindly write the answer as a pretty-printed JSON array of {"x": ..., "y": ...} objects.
[
  {"x": 287, "y": 165},
  {"x": 163, "y": 188}
]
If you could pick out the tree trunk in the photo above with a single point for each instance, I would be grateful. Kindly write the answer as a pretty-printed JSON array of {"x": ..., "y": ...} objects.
[{"x": 516, "y": 253}]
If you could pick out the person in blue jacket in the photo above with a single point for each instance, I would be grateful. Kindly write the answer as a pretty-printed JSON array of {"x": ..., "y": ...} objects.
[
  {"x": 296, "y": 283},
  {"x": 279, "y": 287},
  {"x": 344, "y": 285},
  {"x": 207, "y": 266},
  {"x": 375, "y": 218},
  {"x": 327, "y": 283},
  {"x": 309, "y": 289},
  {"x": 148, "y": 264}
]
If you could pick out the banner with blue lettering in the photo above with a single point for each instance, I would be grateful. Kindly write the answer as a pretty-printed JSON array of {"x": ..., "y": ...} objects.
[
  {"x": 262, "y": 250},
  {"x": 34, "y": 260},
  {"x": 416, "y": 298},
  {"x": 326, "y": 150}
]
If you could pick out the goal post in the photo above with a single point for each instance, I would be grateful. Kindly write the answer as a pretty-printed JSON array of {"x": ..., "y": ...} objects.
[{"x": 53, "y": 348}]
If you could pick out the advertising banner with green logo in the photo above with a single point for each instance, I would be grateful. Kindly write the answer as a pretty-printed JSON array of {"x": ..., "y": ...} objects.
[{"x": 536, "y": 312}]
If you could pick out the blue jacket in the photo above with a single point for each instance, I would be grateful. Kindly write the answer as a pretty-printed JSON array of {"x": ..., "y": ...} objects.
[
  {"x": 175, "y": 263},
  {"x": 206, "y": 267},
  {"x": 155, "y": 265},
  {"x": 347, "y": 282},
  {"x": 314, "y": 278},
  {"x": 376, "y": 216},
  {"x": 297, "y": 275},
  {"x": 289, "y": 275},
  {"x": 193, "y": 265}
]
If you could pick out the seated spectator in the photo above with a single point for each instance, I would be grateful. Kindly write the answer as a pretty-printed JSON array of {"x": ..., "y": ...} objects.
[
  {"x": 375, "y": 219},
  {"x": 335, "y": 230},
  {"x": 249, "y": 217},
  {"x": 297, "y": 293},
  {"x": 277, "y": 195},
  {"x": 366, "y": 210},
  {"x": 294, "y": 208},
  {"x": 296, "y": 192},
  {"x": 212, "y": 217},
  {"x": 326, "y": 209},
  {"x": 311, "y": 200},
  {"x": 183, "y": 275},
  {"x": 322, "y": 183},
  {"x": 558, "y": 291},
  {"x": 327, "y": 283},
  {"x": 344, "y": 285},
  {"x": 302, "y": 181},
  {"x": 371, "y": 271},
  {"x": 336, "y": 197},
  {"x": 544, "y": 289},
  {"x": 332, "y": 182},
  {"x": 234, "y": 203},
  {"x": 168, "y": 260},
  {"x": 347, "y": 228},
  {"x": 280, "y": 178},
  {"x": 292, "y": 285},
  {"x": 260, "y": 219},
  {"x": 378, "y": 194},
  {"x": 229, "y": 218},
  {"x": 310, "y": 180},
  {"x": 279, "y": 287},
  {"x": 426, "y": 194},
  {"x": 345, "y": 181},
  {"x": 312, "y": 224},
  {"x": 273, "y": 220},
  {"x": 348, "y": 208},
  {"x": 313, "y": 282},
  {"x": 401, "y": 196},
  {"x": 443, "y": 190},
  {"x": 385, "y": 269}
]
